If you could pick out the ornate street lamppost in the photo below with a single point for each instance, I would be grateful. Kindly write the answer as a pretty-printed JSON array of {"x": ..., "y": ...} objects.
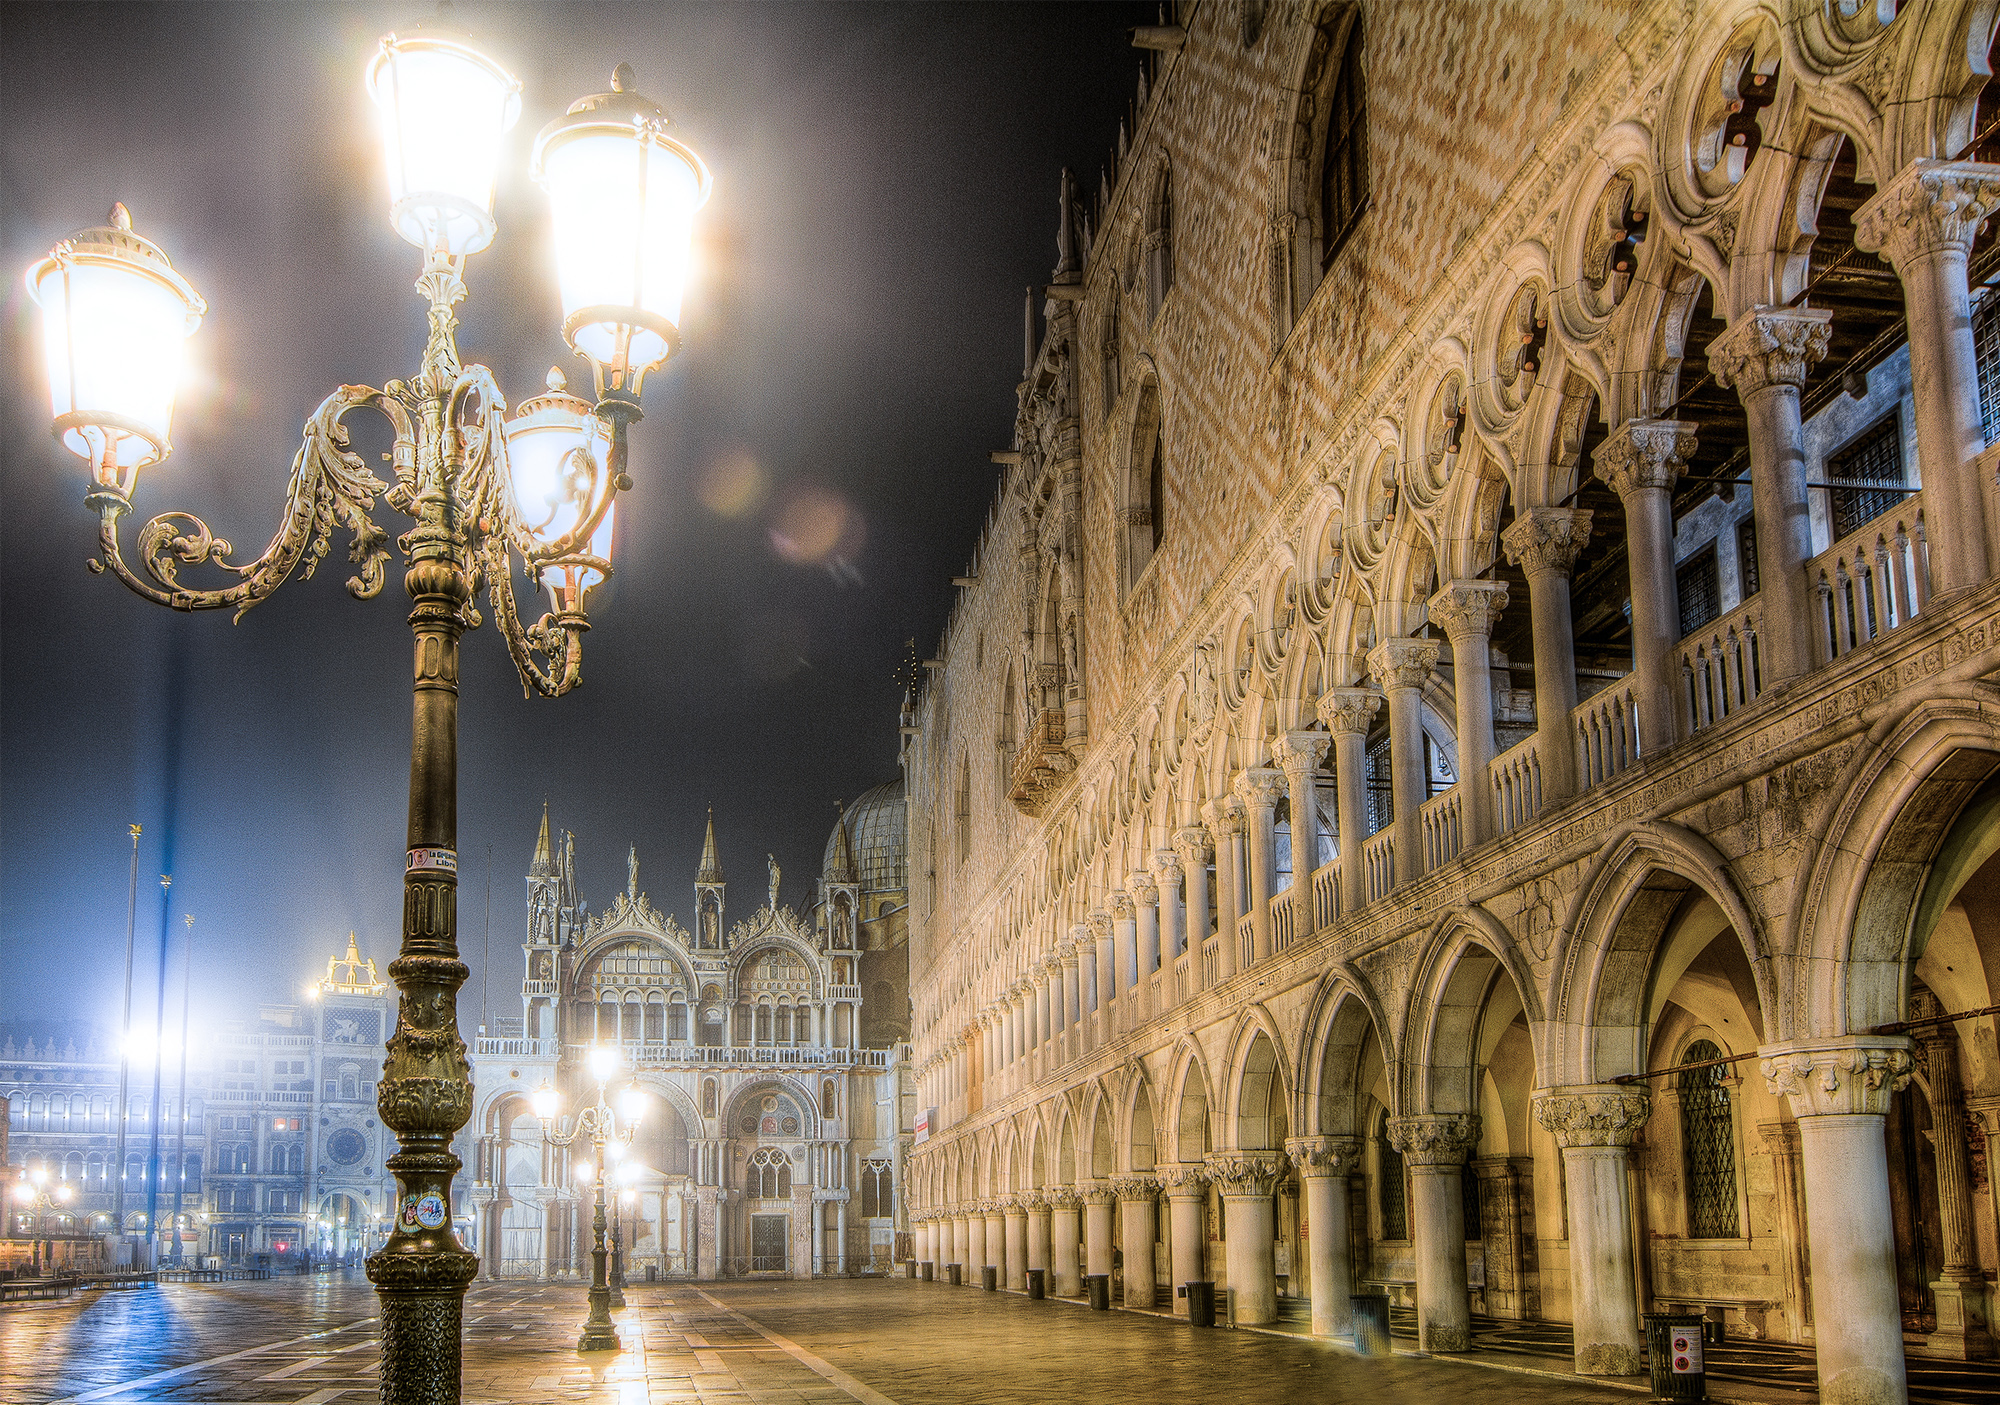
[
  {"x": 482, "y": 490},
  {"x": 39, "y": 1201},
  {"x": 600, "y": 1125}
]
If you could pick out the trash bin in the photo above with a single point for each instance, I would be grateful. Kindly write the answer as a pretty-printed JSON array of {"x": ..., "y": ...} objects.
[
  {"x": 652, "y": 1273},
  {"x": 1038, "y": 1279},
  {"x": 909, "y": 1268},
  {"x": 989, "y": 1277},
  {"x": 1674, "y": 1342},
  {"x": 1371, "y": 1323},
  {"x": 1201, "y": 1303},
  {"x": 952, "y": 1274},
  {"x": 1098, "y": 1288},
  {"x": 925, "y": 1270}
]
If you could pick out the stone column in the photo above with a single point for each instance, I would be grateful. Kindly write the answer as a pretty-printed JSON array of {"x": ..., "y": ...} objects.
[
  {"x": 1960, "y": 1291},
  {"x": 1145, "y": 895},
  {"x": 996, "y": 1237},
  {"x": 1072, "y": 991},
  {"x": 1097, "y": 1200},
  {"x": 1401, "y": 667},
  {"x": 1324, "y": 1165},
  {"x": 1063, "y": 1230},
  {"x": 1136, "y": 1197},
  {"x": 1246, "y": 1179},
  {"x": 1105, "y": 940},
  {"x": 1467, "y": 611},
  {"x": 920, "y": 1239},
  {"x": 1167, "y": 877},
  {"x": 1259, "y": 788},
  {"x": 1043, "y": 978},
  {"x": 1595, "y": 1126},
  {"x": 707, "y": 1241},
  {"x": 1124, "y": 942},
  {"x": 1545, "y": 542},
  {"x": 975, "y": 1242},
  {"x": 1187, "y": 1198},
  {"x": 1193, "y": 846},
  {"x": 1765, "y": 354},
  {"x": 1510, "y": 1244},
  {"x": 1924, "y": 222},
  {"x": 1298, "y": 754},
  {"x": 1641, "y": 460},
  {"x": 1839, "y": 1087},
  {"x": 1348, "y": 713},
  {"x": 1015, "y": 1274},
  {"x": 961, "y": 1240},
  {"x": 1225, "y": 822},
  {"x": 1037, "y": 1206},
  {"x": 1434, "y": 1146},
  {"x": 1783, "y": 1140}
]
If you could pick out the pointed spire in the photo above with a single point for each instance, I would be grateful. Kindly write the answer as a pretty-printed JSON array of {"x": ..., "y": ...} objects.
[
  {"x": 711, "y": 867},
  {"x": 544, "y": 865},
  {"x": 1067, "y": 265},
  {"x": 353, "y": 953},
  {"x": 841, "y": 870}
]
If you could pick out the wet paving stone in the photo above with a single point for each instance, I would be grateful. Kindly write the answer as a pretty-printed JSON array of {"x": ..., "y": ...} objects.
[{"x": 293, "y": 1341}]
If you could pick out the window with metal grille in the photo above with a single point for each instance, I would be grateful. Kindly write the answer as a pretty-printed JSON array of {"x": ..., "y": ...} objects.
[
  {"x": 1343, "y": 170},
  {"x": 1708, "y": 1144},
  {"x": 1381, "y": 791},
  {"x": 877, "y": 1194},
  {"x": 1389, "y": 1183},
  {"x": 1746, "y": 557},
  {"x": 1700, "y": 590},
  {"x": 1986, "y": 352},
  {"x": 1875, "y": 456}
]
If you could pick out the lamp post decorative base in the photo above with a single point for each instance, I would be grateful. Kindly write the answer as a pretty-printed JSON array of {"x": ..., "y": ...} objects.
[{"x": 423, "y": 1299}]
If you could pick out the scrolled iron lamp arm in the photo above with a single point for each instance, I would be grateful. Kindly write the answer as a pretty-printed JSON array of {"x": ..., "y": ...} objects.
[{"x": 465, "y": 473}]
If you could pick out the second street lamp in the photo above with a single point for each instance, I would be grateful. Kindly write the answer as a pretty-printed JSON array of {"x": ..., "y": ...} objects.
[
  {"x": 115, "y": 318},
  {"x": 600, "y": 1126}
]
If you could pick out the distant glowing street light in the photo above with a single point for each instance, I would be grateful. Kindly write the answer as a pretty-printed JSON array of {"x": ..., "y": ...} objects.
[
  {"x": 600, "y": 1125},
  {"x": 490, "y": 496}
]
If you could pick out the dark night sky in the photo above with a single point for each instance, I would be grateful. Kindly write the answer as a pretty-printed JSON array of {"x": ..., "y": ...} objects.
[{"x": 886, "y": 184}]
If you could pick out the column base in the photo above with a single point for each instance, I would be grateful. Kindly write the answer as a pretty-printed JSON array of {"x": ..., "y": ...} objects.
[
  {"x": 1609, "y": 1359},
  {"x": 1447, "y": 1339},
  {"x": 1962, "y": 1320}
]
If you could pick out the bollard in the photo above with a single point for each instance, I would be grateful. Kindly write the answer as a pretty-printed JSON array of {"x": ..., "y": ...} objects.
[
  {"x": 1097, "y": 1286},
  {"x": 926, "y": 1270},
  {"x": 1673, "y": 1344},
  {"x": 989, "y": 1277},
  {"x": 1038, "y": 1282},
  {"x": 1201, "y": 1303},
  {"x": 909, "y": 1268},
  {"x": 1371, "y": 1323},
  {"x": 953, "y": 1274},
  {"x": 652, "y": 1273}
]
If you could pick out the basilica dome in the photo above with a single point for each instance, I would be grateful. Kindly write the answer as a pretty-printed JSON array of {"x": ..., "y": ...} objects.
[{"x": 875, "y": 833}]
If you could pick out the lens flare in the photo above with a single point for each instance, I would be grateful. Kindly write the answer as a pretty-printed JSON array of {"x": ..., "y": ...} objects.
[
  {"x": 814, "y": 526},
  {"x": 733, "y": 486}
]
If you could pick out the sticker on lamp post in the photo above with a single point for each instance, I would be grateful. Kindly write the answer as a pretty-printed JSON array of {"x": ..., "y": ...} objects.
[
  {"x": 433, "y": 861},
  {"x": 430, "y": 1210},
  {"x": 1685, "y": 1347}
]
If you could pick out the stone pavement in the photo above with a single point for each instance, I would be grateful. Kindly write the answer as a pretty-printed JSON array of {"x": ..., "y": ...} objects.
[{"x": 295, "y": 1341}]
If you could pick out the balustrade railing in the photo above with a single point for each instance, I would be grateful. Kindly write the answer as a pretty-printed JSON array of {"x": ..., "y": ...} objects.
[
  {"x": 1284, "y": 918},
  {"x": 653, "y": 1055},
  {"x": 518, "y": 1048},
  {"x": 1721, "y": 667},
  {"x": 1183, "y": 975},
  {"x": 1326, "y": 895},
  {"x": 1871, "y": 581},
  {"x": 1246, "y": 941},
  {"x": 1378, "y": 858},
  {"x": 1606, "y": 728},
  {"x": 1211, "y": 957},
  {"x": 1440, "y": 819},
  {"x": 1516, "y": 776}
]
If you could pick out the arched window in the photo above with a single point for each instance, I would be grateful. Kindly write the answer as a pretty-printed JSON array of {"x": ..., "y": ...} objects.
[
  {"x": 877, "y": 1191},
  {"x": 677, "y": 1021},
  {"x": 1159, "y": 243},
  {"x": 350, "y": 1082},
  {"x": 655, "y": 1015},
  {"x": 783, "y": 1034},
  {"x": 763, "y": 1035},
  {"x": 770, "y": 1175},
  {"x": 964, "y": 809},
  {"x": 1389, "y": 1184},
  {"x": 193, "y": 1182},
  {"x": 295, "y": 1161},
  {"x": 1343, "y": 161},
  {"x": 1708, "y": 1144}
]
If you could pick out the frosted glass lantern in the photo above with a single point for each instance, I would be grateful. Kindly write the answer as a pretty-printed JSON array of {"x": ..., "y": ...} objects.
[
  {"x": 558, "y": 455},
  {"x": 624, "y": 194},
  {"x": 115, "y": 322},
  {"x": 445, "y": 109}
]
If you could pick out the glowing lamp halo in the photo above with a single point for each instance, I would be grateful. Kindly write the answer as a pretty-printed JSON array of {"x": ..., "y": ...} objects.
[
  {"x": 116, "y": 317},
  {"x": 623, "y": 193},
  {"x": 445, "y": 109}
]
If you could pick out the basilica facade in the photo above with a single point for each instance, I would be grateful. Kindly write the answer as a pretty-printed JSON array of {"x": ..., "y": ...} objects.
[
  {"x": 771, "y": 1049},
  {"x": 1467, "y": 762}
]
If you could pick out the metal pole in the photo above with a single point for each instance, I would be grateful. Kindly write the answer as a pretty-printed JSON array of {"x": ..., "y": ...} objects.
[
  {"x": 180, "y": 1141},
  {"x": 153, "y": 1116},
  {"x": 598, "y": 1332},
  {"x": 125, "y": 1038},
  {"x": 425, "y": 1095}
]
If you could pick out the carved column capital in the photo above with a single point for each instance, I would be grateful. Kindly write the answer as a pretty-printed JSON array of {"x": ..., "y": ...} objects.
[
  {"x": 1769, "y": 346},
  {"x": 1324, "y": 1156},
  {"x": 1066, "y": 951},
  {"x": 1061, "y": 1197},
  {"x": 1468, "y": 609},
  {"x": 1547, "y": 540},
  {"x": 1245, "y": 1172},
  {"x": 1167, "y": 870},
  {"x": 1593, "y": 1115},
  {"x": 1034, "y": 1202},
  {"x": 1930, "y": 207},
  {"x": 1123, "y": 907},
  {"x": 1261, "y": 787},
  {"x": 1434, "y": 1138},
  {"x": 1299, "y": 753},
  {"x": 1193, "y": 845},
  {"x": 1224, "y": 815},
  {"x": 1135, "y": 1187},
  {"x": 1827, "y": 1077},
  {"x": 1642, "y": 454},
  {"x": 1349, "y": 711},
  {"x": 1402, "y": 662},
  {"x": 1184, "y": 1181},
  {"x": 1140, "y": 887},
  {"x": 1100, "y": 925},
  {"x": 1095, "y": 1193}
]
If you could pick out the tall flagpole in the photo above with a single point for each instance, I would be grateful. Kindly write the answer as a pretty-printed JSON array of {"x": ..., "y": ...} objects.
[
  {"x": 153, "y": 1113},
  {"x": 181, "y": 1102},
  {"x": 125, "y": 1038}
]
